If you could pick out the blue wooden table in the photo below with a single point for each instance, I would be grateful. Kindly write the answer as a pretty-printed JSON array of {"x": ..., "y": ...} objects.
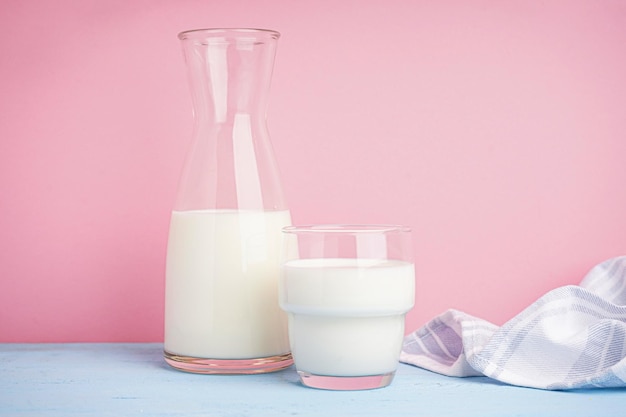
[{"x": 132, "y": 380}]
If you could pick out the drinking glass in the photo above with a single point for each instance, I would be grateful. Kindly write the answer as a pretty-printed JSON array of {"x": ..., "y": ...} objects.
[{"x": 346, "y": 290}]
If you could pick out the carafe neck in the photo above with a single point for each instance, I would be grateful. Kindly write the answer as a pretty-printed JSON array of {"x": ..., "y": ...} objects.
[
  {"x": 230, "y": 72},
  {"x": 230, "y": 164}
]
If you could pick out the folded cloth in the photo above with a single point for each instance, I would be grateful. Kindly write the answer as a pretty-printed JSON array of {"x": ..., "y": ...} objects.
[{"x": 572, "y": 337}]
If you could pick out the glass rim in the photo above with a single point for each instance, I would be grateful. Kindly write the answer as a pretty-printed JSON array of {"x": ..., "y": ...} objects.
[
  {"x": 221, "y": 32},
  {"x": 346, "y": 228}
]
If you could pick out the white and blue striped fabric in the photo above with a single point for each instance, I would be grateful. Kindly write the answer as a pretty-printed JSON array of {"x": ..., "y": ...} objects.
[{"x": 572, "y": 337}]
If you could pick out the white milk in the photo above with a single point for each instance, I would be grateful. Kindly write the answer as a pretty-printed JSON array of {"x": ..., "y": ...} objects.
[
  {"x": 346, "y": 316},
  {"x": 221, "y": 298}
]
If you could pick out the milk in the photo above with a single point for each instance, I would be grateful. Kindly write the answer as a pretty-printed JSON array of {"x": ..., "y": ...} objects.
[
  {"x": 221, "y": 284},
  {"x": 346, "y": 316}
]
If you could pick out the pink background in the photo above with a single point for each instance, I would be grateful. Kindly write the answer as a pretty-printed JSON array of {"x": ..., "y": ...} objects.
[{"x": 495, "y": 129}]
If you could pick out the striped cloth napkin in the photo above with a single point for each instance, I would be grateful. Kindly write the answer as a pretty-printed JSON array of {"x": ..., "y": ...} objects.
[{"x": 572, "y": 337}]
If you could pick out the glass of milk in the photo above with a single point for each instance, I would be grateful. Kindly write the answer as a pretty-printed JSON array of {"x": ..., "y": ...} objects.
[{"x": 346, "y": 290}]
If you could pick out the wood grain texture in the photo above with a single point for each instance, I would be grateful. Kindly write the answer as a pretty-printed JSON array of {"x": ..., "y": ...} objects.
[{"x": 133, "y": 380}]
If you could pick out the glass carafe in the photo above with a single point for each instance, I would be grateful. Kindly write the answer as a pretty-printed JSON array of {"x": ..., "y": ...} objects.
[{"x": 221, "y": 308}]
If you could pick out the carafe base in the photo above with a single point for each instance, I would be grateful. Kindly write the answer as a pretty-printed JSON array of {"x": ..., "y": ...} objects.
[{"x": 228, "y": 366}]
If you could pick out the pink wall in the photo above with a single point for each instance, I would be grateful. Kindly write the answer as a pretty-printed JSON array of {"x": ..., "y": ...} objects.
[{"x": 495, "y": 129}]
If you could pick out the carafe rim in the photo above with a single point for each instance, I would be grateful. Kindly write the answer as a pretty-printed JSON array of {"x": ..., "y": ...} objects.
[{"x": 227, "y": 32}]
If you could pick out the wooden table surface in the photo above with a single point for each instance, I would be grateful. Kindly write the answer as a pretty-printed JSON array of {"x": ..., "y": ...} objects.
[{"x": 133, "y": 380}]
